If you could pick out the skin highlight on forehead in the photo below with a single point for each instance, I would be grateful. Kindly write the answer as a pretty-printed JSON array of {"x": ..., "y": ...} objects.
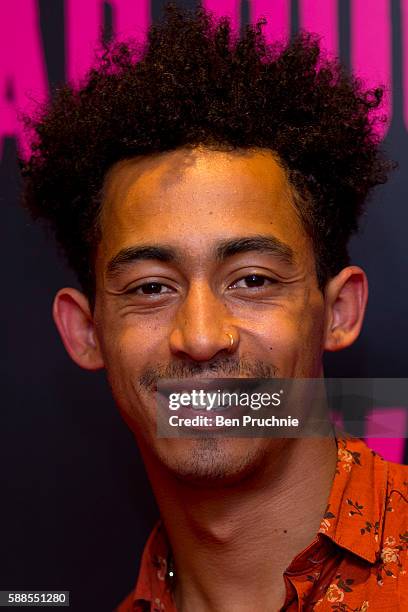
[{"x": 199, "y": 191}]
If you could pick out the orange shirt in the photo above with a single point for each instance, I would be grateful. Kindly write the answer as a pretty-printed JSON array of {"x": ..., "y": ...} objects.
[{"x": 358, "y": 561}]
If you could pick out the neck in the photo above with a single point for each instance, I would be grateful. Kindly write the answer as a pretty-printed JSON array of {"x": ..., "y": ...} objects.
[{"x": 247, "y": 532}]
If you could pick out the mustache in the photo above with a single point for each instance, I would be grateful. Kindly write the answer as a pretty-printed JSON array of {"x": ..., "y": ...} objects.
[{"x": 219, "y": 368}]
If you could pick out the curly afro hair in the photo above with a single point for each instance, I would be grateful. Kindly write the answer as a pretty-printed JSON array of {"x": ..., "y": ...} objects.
[{"x": 196, "y": 82}]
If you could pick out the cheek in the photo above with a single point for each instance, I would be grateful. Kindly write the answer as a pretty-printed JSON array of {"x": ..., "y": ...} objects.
[
  {"x": 311, "y": 336},
  {"x": 289, "y": 337},
  {"x": 128, "y": 349},
  {"x": 284, "y": 344},
  {"x": 127, "y": 341}
]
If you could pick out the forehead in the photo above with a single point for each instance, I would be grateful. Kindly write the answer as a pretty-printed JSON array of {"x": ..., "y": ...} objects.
[{"x": 195, "y": 196}]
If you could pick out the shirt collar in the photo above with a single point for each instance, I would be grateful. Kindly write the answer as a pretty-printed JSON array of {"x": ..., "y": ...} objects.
[
  {"x": 153, "y": 574},
  {"x": 354, "y": 517}
]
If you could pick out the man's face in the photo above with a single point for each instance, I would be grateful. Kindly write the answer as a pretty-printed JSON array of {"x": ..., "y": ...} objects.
[{"x": 197, "y": 244}]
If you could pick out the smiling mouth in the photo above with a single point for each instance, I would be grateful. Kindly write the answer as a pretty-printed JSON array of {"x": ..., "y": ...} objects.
[
  {"x": 221, "y": 394},
  {"x": 210, "y": 383}
]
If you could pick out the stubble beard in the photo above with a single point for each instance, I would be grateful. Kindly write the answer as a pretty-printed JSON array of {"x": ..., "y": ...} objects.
[
  {"x": 208, "y": 460},
  {"x": 213, "y": 462}
]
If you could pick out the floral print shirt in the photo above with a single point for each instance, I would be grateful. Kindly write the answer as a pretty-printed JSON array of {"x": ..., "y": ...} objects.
[{"x": 358, "y": 561}]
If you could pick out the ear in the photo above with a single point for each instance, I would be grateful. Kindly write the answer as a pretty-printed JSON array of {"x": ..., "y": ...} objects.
[
  {"x": 74, "y": 320},
  {"x": 346, "y": 298}
]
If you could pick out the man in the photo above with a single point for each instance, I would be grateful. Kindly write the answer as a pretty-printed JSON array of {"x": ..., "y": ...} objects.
[{"x": 205, "y": 192}]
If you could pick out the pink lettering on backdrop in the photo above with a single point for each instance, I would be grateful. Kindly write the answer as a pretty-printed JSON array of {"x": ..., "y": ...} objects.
[
  {"x": 229, "y": 8},
  {"x": 392, "y": 449},
  {"x": 84, "y": 21},
  {"x": 22, "y": 69},
  {"x": 371, "y": 50},
  {"x": 395, "y": 419},
  {"x": 320, "y": 17},
  {"x": 277, "y": 13}
]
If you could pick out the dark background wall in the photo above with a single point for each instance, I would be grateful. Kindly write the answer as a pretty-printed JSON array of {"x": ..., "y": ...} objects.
[{"x": 75, "y": 505}]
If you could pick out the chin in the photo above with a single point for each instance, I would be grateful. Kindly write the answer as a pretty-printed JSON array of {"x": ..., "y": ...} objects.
[{"x": 212, "y": 461}]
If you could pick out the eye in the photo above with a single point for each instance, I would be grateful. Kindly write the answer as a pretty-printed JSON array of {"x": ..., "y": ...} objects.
[
  {"x": 252, "y": 281},
  {"x": 150, "y": 289}
]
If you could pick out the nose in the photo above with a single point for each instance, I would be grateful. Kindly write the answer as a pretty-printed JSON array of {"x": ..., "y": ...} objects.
[{"x": 203, "y": 326}]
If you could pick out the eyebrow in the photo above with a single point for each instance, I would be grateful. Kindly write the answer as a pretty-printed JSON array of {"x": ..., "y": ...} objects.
[
  {"x": 130, "y": 255},
  {"x": 263, "y": 244},
  {"x": 224, "y": 250}
]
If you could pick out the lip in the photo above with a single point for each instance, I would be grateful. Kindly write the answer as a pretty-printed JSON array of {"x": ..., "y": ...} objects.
[
  {"x": 221, "y": 385},
  {"x": 229, "y": 410},
  {"x": 209, "y": 383}
]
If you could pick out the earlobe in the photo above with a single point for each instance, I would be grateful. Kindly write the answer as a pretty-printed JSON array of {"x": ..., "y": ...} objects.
[
  {"x": 346, "y": 299},
  {"x": 73, "y": 318}
]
